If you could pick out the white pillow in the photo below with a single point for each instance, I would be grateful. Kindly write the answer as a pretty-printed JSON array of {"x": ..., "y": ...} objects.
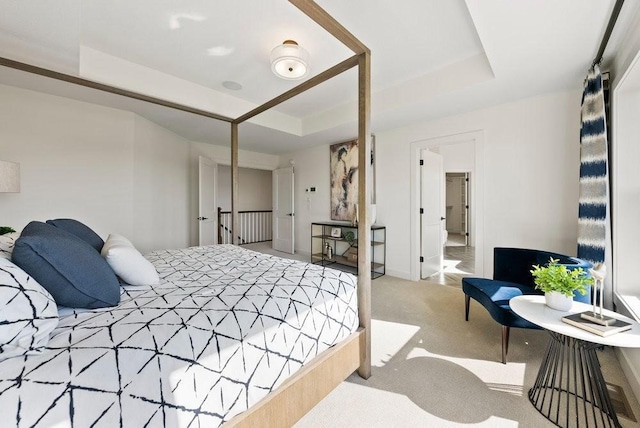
[
  {"x": 7, "y": 241},
  {"x": 28, "y": 312},
  {"x": 119, "y": 239},
  {"x": 127, "y": 262}
]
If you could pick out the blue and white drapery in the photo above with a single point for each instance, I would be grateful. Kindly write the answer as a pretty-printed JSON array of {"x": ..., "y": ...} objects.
[{"x": 594, "y": 232}]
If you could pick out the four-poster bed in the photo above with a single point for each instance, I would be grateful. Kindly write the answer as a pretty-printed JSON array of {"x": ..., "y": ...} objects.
[
  {"x": 292, "y": 400},
  {"x": 299, "y": 393}
]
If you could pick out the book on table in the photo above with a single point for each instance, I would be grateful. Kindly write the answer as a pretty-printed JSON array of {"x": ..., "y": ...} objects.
[{"x": 601, "y": 330}]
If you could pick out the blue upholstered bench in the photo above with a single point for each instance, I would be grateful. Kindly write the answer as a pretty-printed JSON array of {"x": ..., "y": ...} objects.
[{"x": 512, "y": 277}]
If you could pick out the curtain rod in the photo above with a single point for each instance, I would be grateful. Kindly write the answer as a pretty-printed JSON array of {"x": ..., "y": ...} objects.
[{"x": 608, "y": 31}]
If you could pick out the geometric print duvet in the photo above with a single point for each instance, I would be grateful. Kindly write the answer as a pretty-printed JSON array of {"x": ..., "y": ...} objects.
[{"x": 224, "y": 327}]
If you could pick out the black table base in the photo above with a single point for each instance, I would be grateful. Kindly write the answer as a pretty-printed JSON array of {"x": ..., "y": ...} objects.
[{"x": 570, "y": 390}]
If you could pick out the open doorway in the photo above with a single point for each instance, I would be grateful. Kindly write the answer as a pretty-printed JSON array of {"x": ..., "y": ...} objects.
[
  {"x": 459, "y": 253},
  {"x": 258, "y": 210},
  {"x": 254, "y": 205},
  {"x": 461, "y": 153},
  {"x": 457, "y": 209}
]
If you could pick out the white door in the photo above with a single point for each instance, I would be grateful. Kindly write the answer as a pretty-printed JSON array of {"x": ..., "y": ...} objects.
[
  {"x": 283, "y": 238},
  {"x": 207, "y": 210},
  {"x": 432, "y": 218}
]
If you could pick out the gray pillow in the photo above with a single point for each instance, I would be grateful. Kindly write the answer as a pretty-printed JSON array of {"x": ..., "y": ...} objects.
[
  {"x": 66, "y": 266},
  {"x": 80, "y": 230}
]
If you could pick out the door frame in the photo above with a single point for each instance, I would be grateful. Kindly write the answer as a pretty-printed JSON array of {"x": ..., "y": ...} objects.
[{"x": 476, "y": 191}]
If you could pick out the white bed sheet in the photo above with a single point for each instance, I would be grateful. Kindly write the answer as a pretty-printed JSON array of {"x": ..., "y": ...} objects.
[{"x": 224, "y": 327}]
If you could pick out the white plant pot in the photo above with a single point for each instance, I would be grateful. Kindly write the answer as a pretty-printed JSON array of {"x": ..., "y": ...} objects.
[{"x": 558, "y": 301}]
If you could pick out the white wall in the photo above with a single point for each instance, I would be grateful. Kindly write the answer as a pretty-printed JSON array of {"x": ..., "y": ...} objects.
[
  {"x": 531, "y": 161},
  {"x": 161, "y": 187},
  {"x": 105, "y": 167},
  {"x": 254, "y": 189},
  {"x": 111, "y": 169},
  {"x": 531, "y": 164},
  {"x": 458, "y": 157},
  {"x": 76, "y": 160}
]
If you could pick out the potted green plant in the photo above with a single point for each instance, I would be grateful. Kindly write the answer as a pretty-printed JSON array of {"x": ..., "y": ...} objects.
[
  {"x": 560, "y": 283},
  {"x": 5, "y": 230},
  {"x": 350, "y": 237}
]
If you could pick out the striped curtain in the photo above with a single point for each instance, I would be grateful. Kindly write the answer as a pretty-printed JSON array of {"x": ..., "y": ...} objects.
[{"x": 594, "y": 233}]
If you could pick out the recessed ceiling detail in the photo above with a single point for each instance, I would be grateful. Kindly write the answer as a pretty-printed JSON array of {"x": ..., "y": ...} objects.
[{"x": 430, "y": 58}]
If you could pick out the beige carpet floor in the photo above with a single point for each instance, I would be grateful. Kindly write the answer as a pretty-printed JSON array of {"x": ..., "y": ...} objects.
[{"x": 433, "y": 369}]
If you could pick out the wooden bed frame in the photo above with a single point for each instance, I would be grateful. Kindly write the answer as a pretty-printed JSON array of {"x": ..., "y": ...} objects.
[
  {"x": 298, "y": 394},
  {"x": 293, "y": 399},
  {"x": 285, "y": 405}
]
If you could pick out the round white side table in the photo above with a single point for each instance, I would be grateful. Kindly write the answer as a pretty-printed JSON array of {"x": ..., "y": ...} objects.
[{"x": 570, "y": 389}]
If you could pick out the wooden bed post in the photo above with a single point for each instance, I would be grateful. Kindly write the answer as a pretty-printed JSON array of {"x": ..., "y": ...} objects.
[
  {"x": 235, "y": 224},
  {"x": 364, "y": 227},
  {"x": 326, "y": 21}
]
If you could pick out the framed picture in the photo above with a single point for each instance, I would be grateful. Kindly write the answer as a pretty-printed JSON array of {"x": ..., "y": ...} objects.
[
  {"x": 336, "y": 232},
  {"x": 344, "y": 180}
]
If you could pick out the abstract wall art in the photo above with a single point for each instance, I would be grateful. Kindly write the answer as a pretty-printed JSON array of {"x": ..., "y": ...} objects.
[{"x": 344, "y": 180}]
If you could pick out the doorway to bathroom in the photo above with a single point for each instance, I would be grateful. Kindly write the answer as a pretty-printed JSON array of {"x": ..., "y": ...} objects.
[
  {"x": 461, "y": 153},
  {"x": 459, "y": 254},
  {"x": 457, "y": 209}
]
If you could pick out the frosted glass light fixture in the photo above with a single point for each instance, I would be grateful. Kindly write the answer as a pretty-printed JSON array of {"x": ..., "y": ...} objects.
[
  {"x": 9, "y": 177},
  {"x": 290, "y": 61}
]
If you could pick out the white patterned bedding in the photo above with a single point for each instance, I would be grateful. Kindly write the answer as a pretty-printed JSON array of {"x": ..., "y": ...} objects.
[{"x": 224, "y": 327}]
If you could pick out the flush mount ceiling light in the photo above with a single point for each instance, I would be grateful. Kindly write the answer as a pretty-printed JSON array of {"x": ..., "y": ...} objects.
[{"x": 290, "y": 61}]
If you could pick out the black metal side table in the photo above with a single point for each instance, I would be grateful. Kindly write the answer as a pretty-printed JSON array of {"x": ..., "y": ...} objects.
[{"x": 570, "y": 389}]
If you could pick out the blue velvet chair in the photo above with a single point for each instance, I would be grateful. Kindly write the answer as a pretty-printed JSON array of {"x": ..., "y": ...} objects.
[{"x": 512, "y": 277}]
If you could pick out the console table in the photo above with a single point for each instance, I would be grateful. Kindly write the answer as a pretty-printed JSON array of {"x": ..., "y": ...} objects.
[
  {"x": 344, "y": 247},
  {"x": 570, "y": 389}
]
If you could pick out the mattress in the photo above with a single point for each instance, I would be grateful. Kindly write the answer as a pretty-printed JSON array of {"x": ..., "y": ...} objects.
[{"x": 224, "y": 327}]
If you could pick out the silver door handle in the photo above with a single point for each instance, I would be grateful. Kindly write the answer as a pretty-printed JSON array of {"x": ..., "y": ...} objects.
[
  {"x": 203, "y": 218},
  {"x": 290, "y": 214}
]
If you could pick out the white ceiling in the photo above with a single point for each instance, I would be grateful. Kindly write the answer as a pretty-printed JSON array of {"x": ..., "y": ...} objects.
[{"x": 430, "y": 58}]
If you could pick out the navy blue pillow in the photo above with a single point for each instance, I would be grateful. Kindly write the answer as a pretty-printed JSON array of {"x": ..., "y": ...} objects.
[
  {"x": 73, "y": 272},
  {"x": 81, "y": 230}
]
